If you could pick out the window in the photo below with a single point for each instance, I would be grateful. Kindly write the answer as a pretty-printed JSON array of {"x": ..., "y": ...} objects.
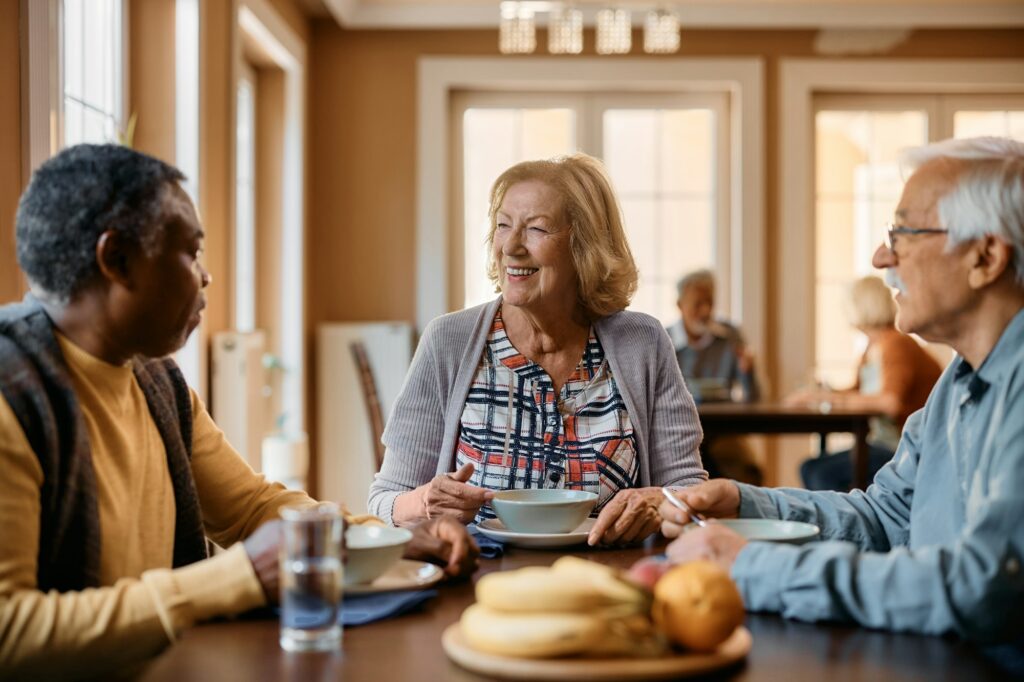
[
  {"x": 93, "y": 70},
  {"x": 245, "y": 204},
  {"x": 665, "y": 154},
  {"x": 858, "y": 184}
]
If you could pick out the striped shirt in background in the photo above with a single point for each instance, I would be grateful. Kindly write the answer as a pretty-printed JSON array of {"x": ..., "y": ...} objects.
[{"x": 519, "y": 434}]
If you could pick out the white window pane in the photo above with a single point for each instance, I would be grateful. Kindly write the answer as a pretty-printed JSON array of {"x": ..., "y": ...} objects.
[
  {"x": 640, "y": 221},
  {"x": 245, "y": 227},
  {"x": 685, "y": 242},
  {"x": 858, "y": 187},
  {"x": 94, "y": 127},
  {"x": 493, "y": 140},
  {"x": 73, "y": 48},
  {"x": 688, "y": 139},
  {"x": 630, "y": 149},
  {"x": 92, "y": 70},
  {"x": 980, "y": 123},
  {"x": 72, "y": 122}
]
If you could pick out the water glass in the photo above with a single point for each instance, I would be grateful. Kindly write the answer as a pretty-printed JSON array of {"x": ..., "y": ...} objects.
[{"x": 312, "y": 554}]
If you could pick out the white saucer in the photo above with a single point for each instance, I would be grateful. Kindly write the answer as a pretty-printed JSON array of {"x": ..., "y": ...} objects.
[
  {"x": 404, "y": 575},
  {"x": 495, "y": 529}
]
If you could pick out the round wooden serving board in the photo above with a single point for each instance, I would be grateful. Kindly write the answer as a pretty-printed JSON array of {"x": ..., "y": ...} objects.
[{"x": 681, "y": 665}]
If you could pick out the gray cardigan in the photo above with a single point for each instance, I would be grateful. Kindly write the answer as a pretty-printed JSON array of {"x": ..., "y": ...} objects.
[{"x": 422, "y": 432}]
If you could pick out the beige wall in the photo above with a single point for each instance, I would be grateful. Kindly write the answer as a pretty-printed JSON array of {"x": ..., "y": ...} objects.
[{"x": 11, "y": 286}]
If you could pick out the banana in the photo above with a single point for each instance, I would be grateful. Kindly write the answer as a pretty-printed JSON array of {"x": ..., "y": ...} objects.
[
  {"x": 530, "y": 635},
  {"x": 549, "y": 635},
  {"x": 570, "y": 586}
]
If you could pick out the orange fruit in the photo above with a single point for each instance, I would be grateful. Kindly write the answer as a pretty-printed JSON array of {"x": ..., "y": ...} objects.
[{"x": 697, "y": 605}]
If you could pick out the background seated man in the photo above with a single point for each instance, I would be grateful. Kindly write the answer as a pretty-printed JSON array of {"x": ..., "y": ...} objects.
[
  {"x": 717, "y": 366},
  {"x": 894, "y": 377},
  {"x": 113, "y": 471},
  {"x": 935, "y": 545}
]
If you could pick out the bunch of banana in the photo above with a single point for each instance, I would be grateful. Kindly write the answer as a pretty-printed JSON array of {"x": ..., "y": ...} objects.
[{"x": 575, "y": 607}]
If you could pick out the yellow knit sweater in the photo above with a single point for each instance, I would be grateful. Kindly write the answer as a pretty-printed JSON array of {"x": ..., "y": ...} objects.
[{"x": 142, "y": 604}]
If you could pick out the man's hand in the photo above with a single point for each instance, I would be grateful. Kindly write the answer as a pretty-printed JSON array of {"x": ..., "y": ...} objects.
[
  {"x": 444, "y": 541},
  {"x": 262, "y": 548},
  {"x": 630, "y": 516},
  {"x": 450, "y": 495},
  {"x": 717, "y": 498},
  {"x": 714, "y": 542}
]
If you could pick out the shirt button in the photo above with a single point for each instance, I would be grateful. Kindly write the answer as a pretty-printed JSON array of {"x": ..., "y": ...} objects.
[
  {"x": 552, "y": 420},
  {"x": 555, "y": 477},
  {"x": 1012, "y": 565}
]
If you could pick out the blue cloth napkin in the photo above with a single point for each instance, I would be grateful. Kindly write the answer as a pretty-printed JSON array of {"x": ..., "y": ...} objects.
[
  {"x": 360, "y": 609},
  {"x": 489, "y": 547}
]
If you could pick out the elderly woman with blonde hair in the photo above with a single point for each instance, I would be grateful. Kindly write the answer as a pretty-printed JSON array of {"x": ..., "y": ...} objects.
[
  {"x": 894, "y": 378},
  {"x": 553, "y": 384}
]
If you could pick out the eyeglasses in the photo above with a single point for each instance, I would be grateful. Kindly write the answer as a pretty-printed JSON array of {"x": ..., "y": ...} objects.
[{"x": 894, "y": 231}]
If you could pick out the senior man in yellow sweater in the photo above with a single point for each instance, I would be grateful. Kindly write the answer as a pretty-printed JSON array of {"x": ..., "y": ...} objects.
[{"x": 113, "y": 472}]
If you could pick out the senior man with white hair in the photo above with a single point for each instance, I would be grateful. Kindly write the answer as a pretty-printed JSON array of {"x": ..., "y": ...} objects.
[{"x": 936, "y": 544}]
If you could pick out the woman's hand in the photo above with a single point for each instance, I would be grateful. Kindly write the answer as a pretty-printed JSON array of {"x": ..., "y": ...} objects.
[
  {"x": 444, "y": 541},
  {"x": 445, "y": 495},
  {"x": 717, "y": 498},
  {"x": 630, "y": 516}
]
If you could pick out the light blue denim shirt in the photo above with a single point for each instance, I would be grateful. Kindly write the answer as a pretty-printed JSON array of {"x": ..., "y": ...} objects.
[{"x": 936, "y": 544}]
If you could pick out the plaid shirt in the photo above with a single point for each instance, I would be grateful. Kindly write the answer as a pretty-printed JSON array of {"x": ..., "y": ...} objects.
[{"x": 518, "y": 434}]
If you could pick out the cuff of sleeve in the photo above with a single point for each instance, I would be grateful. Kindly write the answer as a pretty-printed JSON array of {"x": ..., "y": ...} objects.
[
  {"x": 223, "y": 585},
  {"x": 760, "y": 572},
  {"x": 756, "y": 502},
  {"x": 385, "y": 504}
]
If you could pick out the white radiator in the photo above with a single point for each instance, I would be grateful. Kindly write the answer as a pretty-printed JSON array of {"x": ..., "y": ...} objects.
[
  {"x": 238, "y": 402},
  {"x": 345, "y": 452}
]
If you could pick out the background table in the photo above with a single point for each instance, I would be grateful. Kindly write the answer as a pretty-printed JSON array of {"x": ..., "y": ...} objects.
[
  {"x": 722, "y": 419},
  {"x": 409, "y": 647}
]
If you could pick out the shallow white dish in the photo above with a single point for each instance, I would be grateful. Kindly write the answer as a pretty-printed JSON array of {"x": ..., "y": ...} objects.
[
  {"x": 494, "y": 528},
  {"x": 404, "y": 575},
  {"x": 771, "y": 530}
]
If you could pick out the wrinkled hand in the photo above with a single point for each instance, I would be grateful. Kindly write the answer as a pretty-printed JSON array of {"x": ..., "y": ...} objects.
[
  {"x": 717, "y": 498},
  {"x": 450, "y": 495},
  {"x": 714, "y": 542},
  {"x": 262, "y": 547},
  {"x": 446, "y": 542},
  {"x": 744, "y": 360},
  {"x": 630, "y": 516}
]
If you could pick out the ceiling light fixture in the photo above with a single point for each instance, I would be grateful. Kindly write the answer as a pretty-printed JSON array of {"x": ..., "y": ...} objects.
[
  {"x": 613, "y": 28},
  {"x": 565, "y": 31},
  {"x": 661, "y": 32},
  {"x": 517, "y": 33}
]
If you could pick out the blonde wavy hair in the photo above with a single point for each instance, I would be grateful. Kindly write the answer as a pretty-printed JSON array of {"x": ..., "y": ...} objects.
[
  {"x": 606, "y": 273},
  {"x": 870, "y": 304}
]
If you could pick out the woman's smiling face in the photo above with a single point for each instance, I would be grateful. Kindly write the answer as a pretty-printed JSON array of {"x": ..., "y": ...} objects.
[{"x": 532, "y": 249}]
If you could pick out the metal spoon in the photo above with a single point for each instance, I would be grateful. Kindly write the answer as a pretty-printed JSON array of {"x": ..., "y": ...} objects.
[{"x": 682, "y": 506}]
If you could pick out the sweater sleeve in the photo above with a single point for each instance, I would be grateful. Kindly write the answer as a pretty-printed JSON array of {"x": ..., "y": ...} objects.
[
  {"x": 415, "y": 430},
  {"x": 235, "y": 499},
  {"x": 675, "y": 431},
  {"x": 97, "y": 631}
]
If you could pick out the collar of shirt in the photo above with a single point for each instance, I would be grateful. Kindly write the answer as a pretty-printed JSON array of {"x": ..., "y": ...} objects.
[{"x": 994, "y": 366}]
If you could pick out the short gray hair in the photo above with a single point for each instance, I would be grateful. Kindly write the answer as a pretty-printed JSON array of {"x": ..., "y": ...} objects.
[
  {"x": 989, "y": 194},
  {"x": 703, "y": 277}
]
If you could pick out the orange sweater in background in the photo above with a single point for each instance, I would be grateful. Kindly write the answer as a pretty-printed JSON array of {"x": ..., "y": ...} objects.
[{"x": 907, "y": 371}]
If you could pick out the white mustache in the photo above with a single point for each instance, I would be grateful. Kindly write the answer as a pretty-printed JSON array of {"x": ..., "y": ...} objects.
[{"x": 893, "y": 281}]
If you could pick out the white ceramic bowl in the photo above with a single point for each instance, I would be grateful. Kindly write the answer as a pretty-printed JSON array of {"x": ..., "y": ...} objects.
[
  {"x": 771, "y": 530},
  {"x": 372, "y": 550},
  {"x": 543, "y": 510}
]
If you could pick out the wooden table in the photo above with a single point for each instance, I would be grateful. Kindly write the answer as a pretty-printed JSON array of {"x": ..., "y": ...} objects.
[
  {"x": 721, "y": 419},
  {"x": 409, "y": 647}
]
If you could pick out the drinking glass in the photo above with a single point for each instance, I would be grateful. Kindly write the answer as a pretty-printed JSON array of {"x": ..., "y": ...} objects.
[{"x": 312, "y": 555}]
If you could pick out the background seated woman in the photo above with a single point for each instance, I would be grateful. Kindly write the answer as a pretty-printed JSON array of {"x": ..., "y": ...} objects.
[{"x": 551, "y": 385}]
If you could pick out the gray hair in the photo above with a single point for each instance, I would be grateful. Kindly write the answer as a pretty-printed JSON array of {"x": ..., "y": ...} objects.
[
  {"x": 703, "y": 277},
  {"x": 989, "y": 195},
  {"x": 76, "y": 196}
]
